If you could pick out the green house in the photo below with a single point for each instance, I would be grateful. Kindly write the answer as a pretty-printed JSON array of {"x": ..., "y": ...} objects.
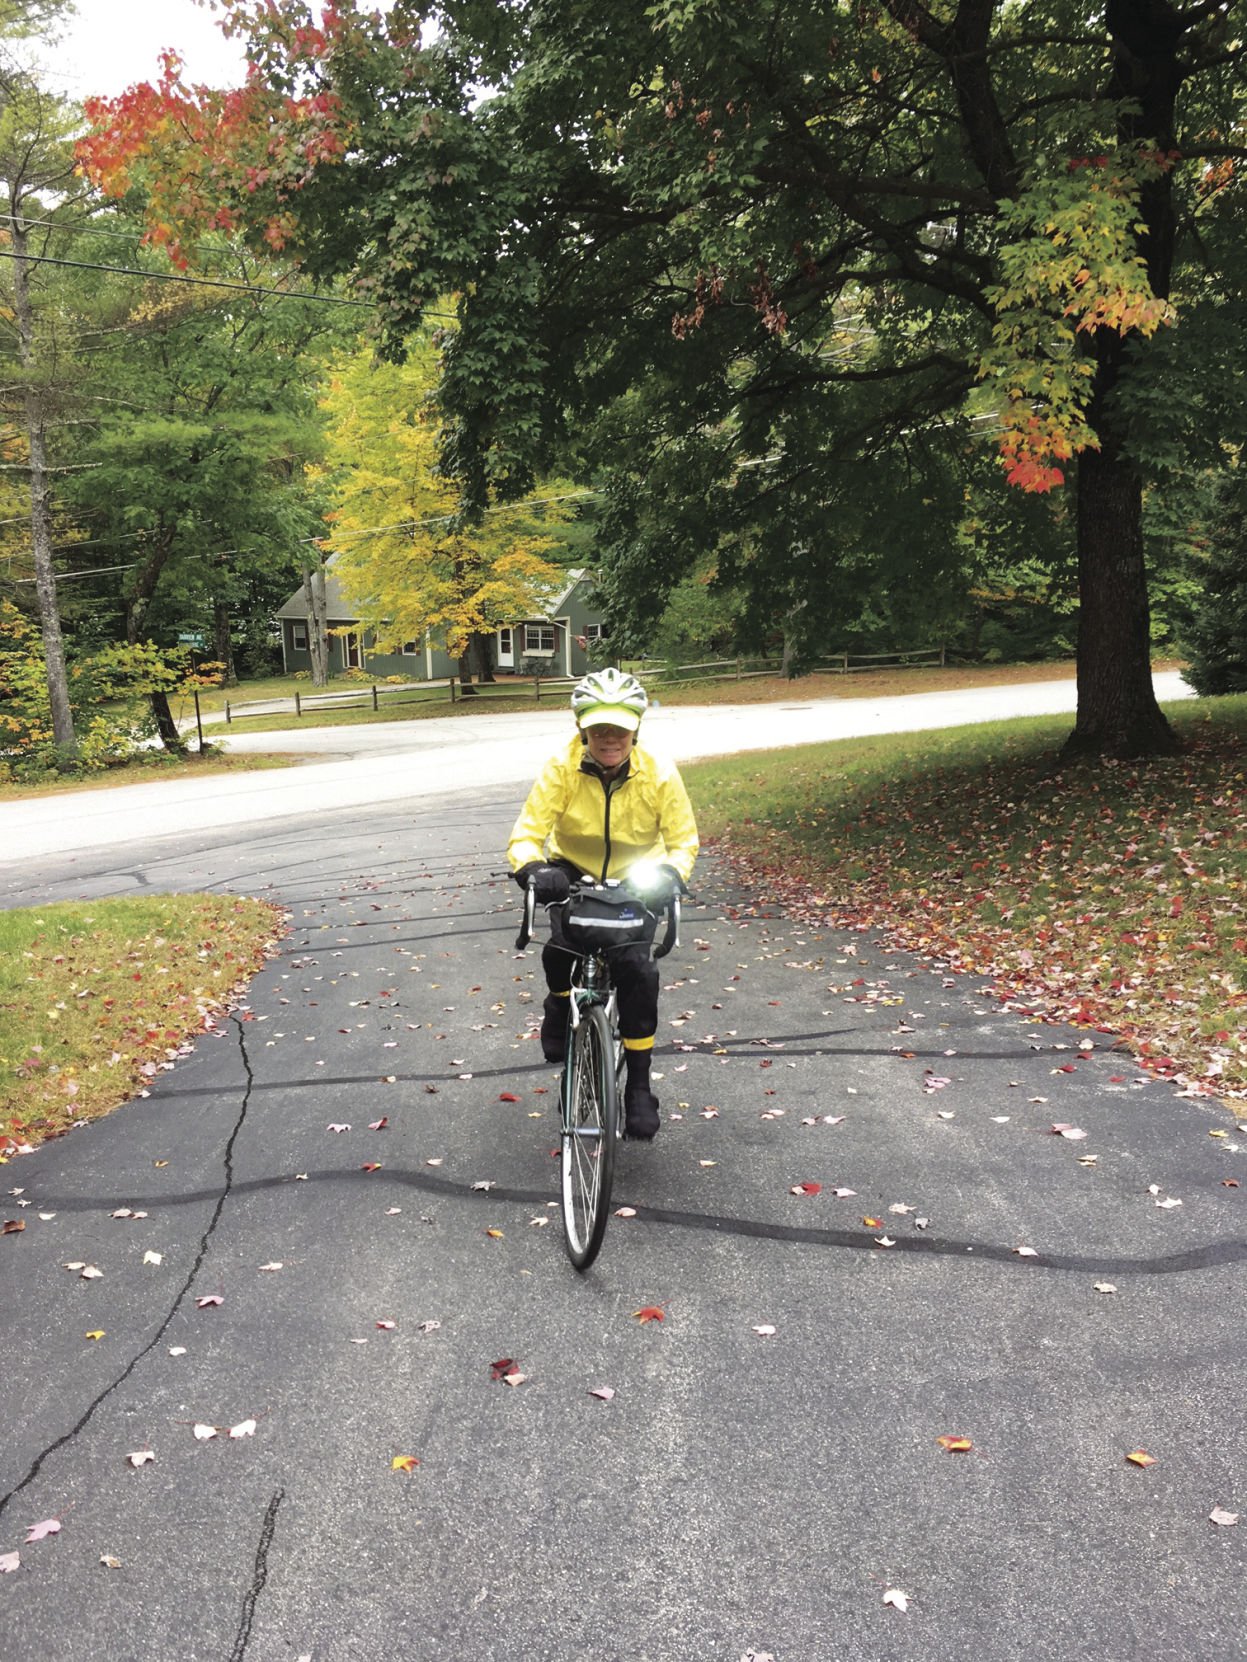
[{"x": 562, "y": 640}]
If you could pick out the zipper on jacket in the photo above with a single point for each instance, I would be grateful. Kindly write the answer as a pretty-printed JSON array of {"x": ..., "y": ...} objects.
[{"x": 587, "y": 765}]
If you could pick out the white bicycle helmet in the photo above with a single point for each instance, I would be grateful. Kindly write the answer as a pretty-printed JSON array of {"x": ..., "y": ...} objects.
[{"x": 609, "y": 697}]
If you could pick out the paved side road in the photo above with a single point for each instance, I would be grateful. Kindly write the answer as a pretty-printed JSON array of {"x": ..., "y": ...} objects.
[
  {"x": 388, "y": 763},
  {"x": 744, "y": 1489}
]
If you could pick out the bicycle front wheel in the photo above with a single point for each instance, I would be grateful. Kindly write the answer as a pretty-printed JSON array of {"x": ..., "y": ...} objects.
[{"x": 590, "y": 1133}]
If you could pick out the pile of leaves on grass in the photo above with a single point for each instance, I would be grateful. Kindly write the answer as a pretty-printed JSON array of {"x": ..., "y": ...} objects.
[
  {"x": 99, "y": 998},
  {"x": 1106, "y": 894}
]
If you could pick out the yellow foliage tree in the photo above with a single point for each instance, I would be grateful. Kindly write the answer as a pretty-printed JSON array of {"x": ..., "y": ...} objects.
[{"x": 403, "y": 558}]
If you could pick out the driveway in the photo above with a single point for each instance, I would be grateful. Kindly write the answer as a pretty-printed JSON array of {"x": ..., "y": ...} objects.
[{"x": 349, "y": 1187}]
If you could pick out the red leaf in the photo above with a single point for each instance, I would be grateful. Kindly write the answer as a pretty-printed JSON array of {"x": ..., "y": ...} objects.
[
  {"x": 650, "y": 1313},
  {"x": 806, "y": 1189},
  {"x": 508, "y": 1096},
  {"x": 501, "y": 1368}
]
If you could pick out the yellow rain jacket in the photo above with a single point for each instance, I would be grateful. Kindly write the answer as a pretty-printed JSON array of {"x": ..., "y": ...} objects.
[{"x": 600, "y": 827}]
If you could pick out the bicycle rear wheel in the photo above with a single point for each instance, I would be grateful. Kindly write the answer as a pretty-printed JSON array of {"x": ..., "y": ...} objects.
[{"x": 590, "y": 1133}]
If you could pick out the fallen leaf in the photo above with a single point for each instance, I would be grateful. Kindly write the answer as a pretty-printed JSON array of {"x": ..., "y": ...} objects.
[
  {"x": 955, "y": 1444},
  {"x": 538, "y": 1223},
  {"x": 90, "y": 1273},
  {"x": 339, "y": 1128},
  {"x": 177, "y": 1350},
  {"x": 275, "y": 1265},
  {"x": 897, "y": 1599},
  {"x": 514, "y": 1379},
  {"x": 203, "y": 1432},
  {"x": 504, "y": 1366},
  {"x": 603, "y": 1392},
  {"x": 9, "y": 1561},
  {"x": 486, "y": 1186},
  {"x": 766, "y": 1331},
  {"x": 12, "y": 1226},
  {"x": 1071, "y": 1132},
  {"x": 208, "y": 1299},
  {"x": 387, "y": 1326},
  {"x": 379, "y": 1125},
  {"x": 1105, "y": 1287},
  {"x": 436, "y": 1162},
  {"x": 95, "y": 1333},
  {"x": 140, "y": 1457},
  {"x": 153, "y": 1258},
  {"x": 884, "y": 1241},
  {"x": 1221, "y": 1517},
  {"x": 244, "y": 1428},
  {"x": 626, "y": 1212},
  {"x": 1168, "y": 1203},
  {"x": 508, "y": 1096},
  {"x": 1138, "y": 1457},
  {"x": 806, "y": 1189},
  {"x": 41, "y": 1531},
  {"x": 404, "y": 1463},
  {"x": 650, "y": 1313},
  {"x": 109, "y": 1562},
  {"x": 1026, "y": 1252},
  {"x": 427, "y": 1326},
  {"x": 495, "y": 1234},
  {"x": 372, "y": 1165}
]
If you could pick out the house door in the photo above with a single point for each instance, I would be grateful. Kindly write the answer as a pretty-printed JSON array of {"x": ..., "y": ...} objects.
[
  {"x": 352, "y": 658},
  {"x": 506, "y": 648}
]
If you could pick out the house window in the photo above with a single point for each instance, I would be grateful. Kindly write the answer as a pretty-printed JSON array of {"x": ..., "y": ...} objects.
[
  {"x": 298, "y": 636},
  {"x": 410, "y": 649},
  {"x": 593, "y": 631},
  {"x": 539, "y": 639}
]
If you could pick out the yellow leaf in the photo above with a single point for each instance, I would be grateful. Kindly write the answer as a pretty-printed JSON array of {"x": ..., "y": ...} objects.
[
  {"x": 404, "y": 1463},
  {"x": 96, "y": 1333}
]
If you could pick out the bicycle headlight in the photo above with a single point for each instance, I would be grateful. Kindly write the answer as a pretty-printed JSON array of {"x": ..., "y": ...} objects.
[{"x": 647, "y": 877}]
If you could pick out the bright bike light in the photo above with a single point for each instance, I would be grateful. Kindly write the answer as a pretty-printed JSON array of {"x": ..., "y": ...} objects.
[{"x": 646, "y": 876}]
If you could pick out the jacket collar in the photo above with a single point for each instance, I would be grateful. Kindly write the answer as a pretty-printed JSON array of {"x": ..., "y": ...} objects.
[{"x": 588, "y": 765}]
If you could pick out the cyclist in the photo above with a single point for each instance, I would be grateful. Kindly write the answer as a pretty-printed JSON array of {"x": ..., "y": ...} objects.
[{"x": 602, "y": 806}]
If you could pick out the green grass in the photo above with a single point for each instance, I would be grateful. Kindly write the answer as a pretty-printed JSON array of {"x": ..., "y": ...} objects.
[
  {"x": 1113, "y": 894},
  {"x": 96, "y": 997}
]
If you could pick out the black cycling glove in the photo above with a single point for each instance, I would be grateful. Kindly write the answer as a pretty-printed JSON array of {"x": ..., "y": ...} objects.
[{"x": 550, "y": 883}]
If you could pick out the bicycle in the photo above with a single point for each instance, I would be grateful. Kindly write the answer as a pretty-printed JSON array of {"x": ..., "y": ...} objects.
[{"x": 605, "y": 915}]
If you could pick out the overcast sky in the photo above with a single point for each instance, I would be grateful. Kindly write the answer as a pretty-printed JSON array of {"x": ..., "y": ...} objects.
[{"x": 115, "y": 43}]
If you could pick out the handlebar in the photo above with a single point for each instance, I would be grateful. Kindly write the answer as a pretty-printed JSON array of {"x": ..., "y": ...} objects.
[{"x": 670, "y": 940}]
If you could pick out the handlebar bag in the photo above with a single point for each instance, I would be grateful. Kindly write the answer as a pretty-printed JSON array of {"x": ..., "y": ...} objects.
[{"x": 608, "y": 917}]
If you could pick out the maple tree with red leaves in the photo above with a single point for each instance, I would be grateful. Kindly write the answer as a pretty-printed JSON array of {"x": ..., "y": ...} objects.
[{"x": 756, "y": 246}]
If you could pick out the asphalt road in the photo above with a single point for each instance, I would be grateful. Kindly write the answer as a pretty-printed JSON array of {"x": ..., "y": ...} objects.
[{"x": 740, "y": 1491}]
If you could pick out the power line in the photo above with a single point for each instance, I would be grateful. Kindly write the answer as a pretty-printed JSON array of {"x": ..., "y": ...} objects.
[
  {"x": 300, "y": 542},
  {"x": 197, "y": 282}
]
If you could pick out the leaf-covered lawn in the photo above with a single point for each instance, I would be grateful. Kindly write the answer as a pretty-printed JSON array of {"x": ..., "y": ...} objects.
[
  {"x": 98, "y": 998},
  {"x": 1111, "y": 894}
]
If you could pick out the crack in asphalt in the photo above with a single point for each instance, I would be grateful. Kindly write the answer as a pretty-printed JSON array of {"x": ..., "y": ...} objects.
[
  {"x": 1210, "y": 1256},
  {"x": 204, "y": 1242},
  {"x": 259, "y": 1577}
]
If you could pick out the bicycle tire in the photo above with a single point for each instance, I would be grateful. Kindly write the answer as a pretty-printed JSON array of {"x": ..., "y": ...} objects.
[{"x": 590, "y": 1135}]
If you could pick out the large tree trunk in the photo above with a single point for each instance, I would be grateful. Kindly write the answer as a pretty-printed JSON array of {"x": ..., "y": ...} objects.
[
  {"x": 1117, "y": 710},
  {"x": 465, "y": 670},
  {"x": 63, "y": 734}
]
